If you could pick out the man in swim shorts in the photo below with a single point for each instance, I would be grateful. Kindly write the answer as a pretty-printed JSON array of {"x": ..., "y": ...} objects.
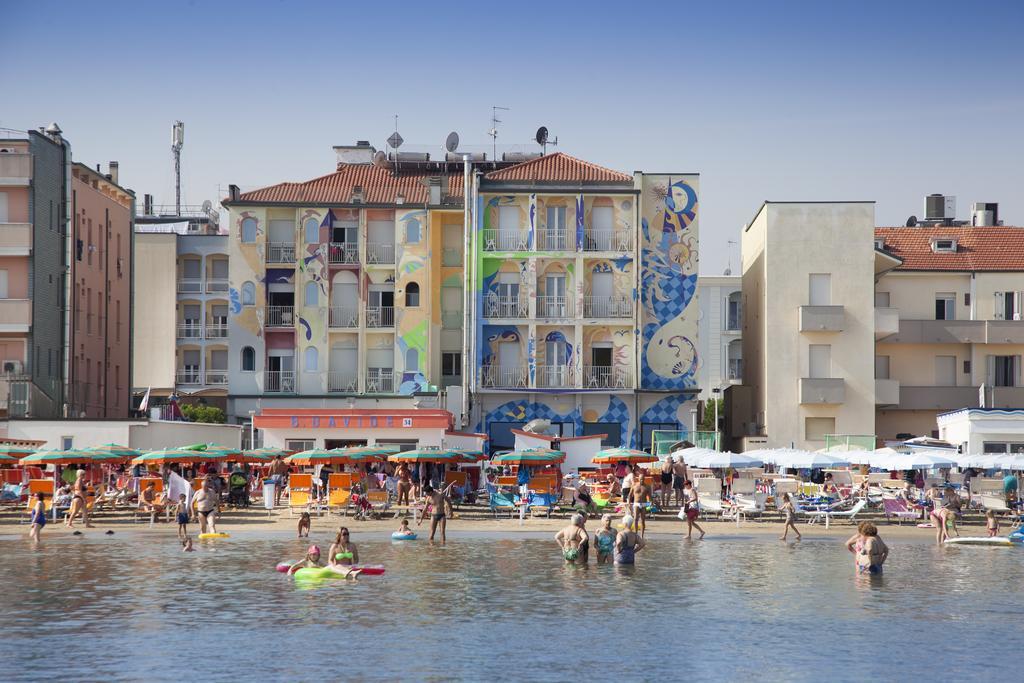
[
  {"x": 277, "y": 473},
  {"x": 441, "y": 506},
  {"x": 640, "y": 497},
  {"x": 206, "y": 501},
  {"x": 678, "y": 478}
]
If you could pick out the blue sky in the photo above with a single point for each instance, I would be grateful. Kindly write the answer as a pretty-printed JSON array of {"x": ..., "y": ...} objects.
[{"x": 787, "y": 101}]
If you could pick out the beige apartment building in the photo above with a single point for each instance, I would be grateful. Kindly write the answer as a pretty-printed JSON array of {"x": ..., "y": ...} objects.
[
  {"x": 809, "y": 321},
  {"x": 950, "y": 324}
]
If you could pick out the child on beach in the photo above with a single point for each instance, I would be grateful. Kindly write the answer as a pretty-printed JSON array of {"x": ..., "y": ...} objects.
[
  {"x": 304, "y": 523},
  {"x": 605, "y": 540},
  {"x": 403, "y": 528},
  {"x": 790, "y": 512},
  {"x": 690, "y": 510},
  {"x": 312, "y": 559},
  {"x": 991, "y": 523},
  {"x": 186, "y": 545},
  {"x": 38, "y": 518},
  {"x": 181, "y": 512}
]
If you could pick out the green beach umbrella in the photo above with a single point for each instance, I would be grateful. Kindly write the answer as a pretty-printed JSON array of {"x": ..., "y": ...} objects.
[
  {"x": 71, "y": 456},
  {"x": 615, "y": 455},
  {"x": 268, "y": 452},
  {"x": 168, "y": 456},
  {"x": 114, "y": 451},
  {"x": 12, "y": 452},
  {"x": 317, "y": 456},
  {"x": 437, "y": 455},
  {"x": 213, "y": 450},
  {"x": 529, "y": 456},
  {"x": 358, "y": 454}
]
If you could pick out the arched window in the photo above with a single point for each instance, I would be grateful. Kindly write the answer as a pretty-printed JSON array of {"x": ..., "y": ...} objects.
[
  {"x": 312, "y": 231},
  {"x": 248, "y": 359},
  {"x": 412, "y": 360},
  {"x": 312, "y": 294},
  {"x": 312, "y": 359},
  {"x": 412, "y": 295},
  {"x": 249, "y": 230},
  {"x": 248, "y": 294}
]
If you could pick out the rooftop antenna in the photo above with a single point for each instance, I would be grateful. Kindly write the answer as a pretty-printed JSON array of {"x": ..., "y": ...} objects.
[
  {"x": 394, "y": 142},
  {"x": 542, "y": 139},
  {"x": 728, "y": 267},
  {"x": 493, "y": 132},
  {"x": 177, "y": 142}
]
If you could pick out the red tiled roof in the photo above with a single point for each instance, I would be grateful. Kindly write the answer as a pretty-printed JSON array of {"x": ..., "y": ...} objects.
[
  {"x": 998, "y": 248},
  {"x": 380, "y": 186},
  {"x": 559, "y": 167}
]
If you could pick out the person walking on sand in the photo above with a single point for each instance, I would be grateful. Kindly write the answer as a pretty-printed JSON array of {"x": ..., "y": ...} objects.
[
  {"x": 574, "y": 541},
  {"x": 690, "y": 510},
  {"x": 38, "y": 518},
  {"x": 206, "y": 501},
  {"x": 789, "y": 511},
  {"x": 628, "y": 543}
]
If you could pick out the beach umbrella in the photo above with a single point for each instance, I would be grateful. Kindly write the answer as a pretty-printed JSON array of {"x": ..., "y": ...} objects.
[
  {"x": 616, "y": 455},
  {"x": 724, "y": 459},
  {"x": 470, "y": 455},
  {"x": 918, "y": 460},
  {"x": 114, "y": 451},
  {"x": 213, "y": 450},
  {"x": 10, "y": 452},
  {"x": 688, "y": 454},
  {"x": 799, "y": 459},
  {"x": 317, "y": 456},
  {"x": 998, "y": 461},
  {"x": 181, "y": 456},
  {"x": 358, "y": 454},
  {"x": 71, "y": 456},
  {"x": 424, "y": 455},
  {"x": 268, "y": 452},
  {"x": 532, "y": 457}
]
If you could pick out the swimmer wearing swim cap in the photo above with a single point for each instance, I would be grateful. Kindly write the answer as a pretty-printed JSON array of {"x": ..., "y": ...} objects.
[{"x": 312, "y": 559}]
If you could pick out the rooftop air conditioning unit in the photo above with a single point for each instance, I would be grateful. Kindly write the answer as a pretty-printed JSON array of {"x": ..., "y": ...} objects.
[
  {"x": 12, "y": 367},
  {"x": 939, "y": 207}
]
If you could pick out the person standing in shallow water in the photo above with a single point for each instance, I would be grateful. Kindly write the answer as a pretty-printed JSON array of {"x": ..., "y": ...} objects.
[
  {"x": 628, "y": 543},
  {"x": 869, "y": 551},
  {"x": 574, "y": 541},
  {"x": 38, "y": 518}
]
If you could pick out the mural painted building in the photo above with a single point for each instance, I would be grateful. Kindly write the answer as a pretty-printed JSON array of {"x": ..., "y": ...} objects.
[
  {"x": 584, "y": 313},
  {"x": 347, "y": 288}
]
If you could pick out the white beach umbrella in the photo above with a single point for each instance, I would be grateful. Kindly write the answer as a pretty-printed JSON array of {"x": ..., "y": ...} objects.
[
  {"x": 688, "y": 454},
  {"x": 798, "y": 459},
  {"x": 721, "y": 459},
  {"x": 910, "y": 461},
  {"x": 998, "y": 461}
]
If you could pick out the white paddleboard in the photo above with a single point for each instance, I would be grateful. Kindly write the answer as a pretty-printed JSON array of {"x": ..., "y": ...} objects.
[{"x": 981, "y": 540}]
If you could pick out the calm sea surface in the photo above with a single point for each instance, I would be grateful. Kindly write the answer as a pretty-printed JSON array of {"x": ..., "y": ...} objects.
[{"x": 491, "y": 607}]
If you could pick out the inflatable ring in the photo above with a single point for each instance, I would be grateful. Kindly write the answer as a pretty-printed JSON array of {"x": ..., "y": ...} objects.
[
  {"x": 283, "y": 567},
  {"x": 203, "y": 537},
  {"x": 336, "y": 573},
  {"x": 411, "y": 536}
]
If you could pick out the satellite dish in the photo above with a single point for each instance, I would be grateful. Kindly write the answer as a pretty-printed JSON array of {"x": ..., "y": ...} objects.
[
  {"x": 395, "y": 141},
  {"x": 542, "y": 135},
  {"x": 451, "y": 143},
  {"x": 207, "y": 206},
  {"x": 380, "y": 159},
  {"x": 912, "y": 221}
]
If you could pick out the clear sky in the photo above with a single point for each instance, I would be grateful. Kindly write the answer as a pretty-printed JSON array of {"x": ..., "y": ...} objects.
[{"x": 787, "y": 101}]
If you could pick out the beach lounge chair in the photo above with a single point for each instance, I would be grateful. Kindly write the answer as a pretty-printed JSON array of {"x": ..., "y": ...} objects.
[
  {"x": 831, "y": 513},
  {"x": 745, "y": 505},
  {"x": 140, "y": 510},
  {"x": 994, "y": 502},
  {"x": 897, "y": 507},
  {"x": 300, "y": 493},
  {"x": 498, "y": 500},
  {"x": 379, "y": 500}
]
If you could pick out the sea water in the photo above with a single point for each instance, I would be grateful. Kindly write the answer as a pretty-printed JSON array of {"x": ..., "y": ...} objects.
[{"x": 498, "y": 606}]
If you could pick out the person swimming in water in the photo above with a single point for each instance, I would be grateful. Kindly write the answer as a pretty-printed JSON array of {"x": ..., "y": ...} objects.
[
  {"x": 312, "y": 559},
  {"x": 574, "y": 541},
  {"x": 186, "y": 545},
  {"x": 404, "y": 529},
  {"x": 605, "y": 540}
]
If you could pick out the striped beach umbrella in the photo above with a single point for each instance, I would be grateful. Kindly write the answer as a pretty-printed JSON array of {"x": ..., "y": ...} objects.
[
  {"x": 114, "y": 451},
  {"x": 616, "y": 455},
  {"x": 358, "y": 454},
  {"x": 529, "y": 456},
  {"x": 214, "y": 451},
  {"x": 317, "y": 456},
  {"x": 268, "y": 452},
  {"x": 71, "y": 456},
  {"x": 169, "y": 456},
  {"x": 470, "y": 455},
  {"x": 10, "y": 452},
  {"x": 435, "y": 455}
]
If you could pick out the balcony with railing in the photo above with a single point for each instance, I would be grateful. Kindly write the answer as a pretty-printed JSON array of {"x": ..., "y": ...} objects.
[
  {"x": 343, "y": 252},
  {"x": 344, "y": 317},
  {"x": 217, "y": 378},
  {"x": 190, "y": 330},
  {"x": 279, "y": 382},
  {"x": 380, "y": 316},
  {"x": 190, "y": 285},
  {"x": 555, "y": 376},
  {"x": 606, "y": 377},
  {"x": 380, "y": 381},
  {"x": 189, "y": 376},
  {"x": 505, "y": 240},
  {"x": 452, "y": 320},
  {"x": 216, "y": 286},
  {"x": 451, "y": 256},
  {"x": 555, "y": 307},
  {"x": 735, "y": 370},
  {"x": 216, "y": 330},
  {"x": 279, "y": 316},
  {"x": 607, "y": 307},
  {"x": 380, "y": 252},
  {"x": 504, "y": 377},
  {"x": 280, "y": 252},
  {"x": 343, "y": 381},
  {"x": 496, "y": 306},
  {"x": 608, "y": 240},
  {"x": 554, "y": 240}
]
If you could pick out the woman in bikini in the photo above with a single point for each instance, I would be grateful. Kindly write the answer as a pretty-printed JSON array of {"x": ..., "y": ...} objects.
[
  {"x": 343, "y": 552},
  {"x": 574, "y": 541},
  {"x": 404, "y": 486},
  {"x": 869, "y": 552},
  {"x": 78, "y": 507}
]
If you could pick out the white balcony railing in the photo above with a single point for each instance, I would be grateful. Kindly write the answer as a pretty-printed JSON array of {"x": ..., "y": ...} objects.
[
  {"x": 217, "y": 378},
  {"x": 555, "y": 376},
  {"x": 216, "y": 286},
  {"x": 279, "y": 382},
  {"x": 187, "y": 285},
  {"x": 280, "y": 252},
  {"x": 190, "y": 331},
  {"x": 505, "y": 307},
  {"x": 343, "y": 252},
  {"x": 505, "y": 240},
  {"x": 279, "y": 316},
  {"x": 216, "y": 330},
  {"x": 189, "y": 377},
  {"x": 342, "y": 381},
  {"x": 499, "y": 377},
  {"x": 380, "y": 316},
  {"x": 606, "y": 377},
  {"x": 607, "y": 307},
  {"x": 380, "y": 381},
  {"x": 554, "y": 240},
  {"x": 344, "y": 317},
  {"x": 555, "y": 307},
  {"x": 379, "y": 252},
  {"x": 608, "y": 240}
]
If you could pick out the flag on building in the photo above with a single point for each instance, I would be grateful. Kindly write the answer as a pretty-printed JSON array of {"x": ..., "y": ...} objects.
[{"x": 144, "y": 406}]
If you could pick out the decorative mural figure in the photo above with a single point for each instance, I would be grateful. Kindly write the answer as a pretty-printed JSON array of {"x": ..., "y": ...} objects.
[{"x": 669, "y": 282}]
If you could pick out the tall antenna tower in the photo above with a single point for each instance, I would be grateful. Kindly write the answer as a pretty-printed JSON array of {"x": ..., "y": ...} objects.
[
  {"x": 493, "y": 132},
  {"x": 177, "y": 142}
]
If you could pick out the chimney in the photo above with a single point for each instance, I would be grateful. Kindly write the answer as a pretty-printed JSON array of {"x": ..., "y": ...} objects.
[
  {"x": 360, "y": 153},
  {"x": 434, "y": 184},
  {"x": 113, "y": 172},
  {"x": 233, "y": 193},
  {"x": 357, "y": 194},
  {"x": 147, "y": 204}
]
